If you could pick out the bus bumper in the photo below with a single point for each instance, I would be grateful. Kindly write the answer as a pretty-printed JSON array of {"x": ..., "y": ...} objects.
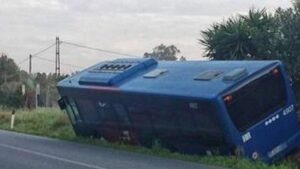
[{"x": 283, "y": 148}]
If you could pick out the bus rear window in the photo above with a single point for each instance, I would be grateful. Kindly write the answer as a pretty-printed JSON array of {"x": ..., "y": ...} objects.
[{"x": 256, "y": 100}]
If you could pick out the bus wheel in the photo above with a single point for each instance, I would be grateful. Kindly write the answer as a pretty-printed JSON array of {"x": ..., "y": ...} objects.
[{"x": 255, "y": 155}]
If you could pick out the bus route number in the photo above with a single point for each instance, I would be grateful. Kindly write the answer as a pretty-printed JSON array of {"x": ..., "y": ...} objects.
[{"x": 288, "y": 110}]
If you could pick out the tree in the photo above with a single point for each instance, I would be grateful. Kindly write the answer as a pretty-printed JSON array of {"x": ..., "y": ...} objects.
[
  {"x": 228, "y": 40},
  {"x": 288, "y": 47},
  {"x": 182, "y": 58},
  {"x": 12, "y": 78},
  {"x": 8, "y": 69},
  {"x": 252, "y": 36},
  {"x": 163, "y": 52},
  {"x": 258, "y": 35},
  {"x": 10, "y": 90},
  {"x": 11, "y": 95}
]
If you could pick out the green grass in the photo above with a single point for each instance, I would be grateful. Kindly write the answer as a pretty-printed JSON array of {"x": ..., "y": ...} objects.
[
  {"x": 53, "y": 123},
  {"x": 45, "y": 122}
]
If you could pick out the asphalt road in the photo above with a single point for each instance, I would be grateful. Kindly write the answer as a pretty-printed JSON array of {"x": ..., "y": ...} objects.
[{"x": 23, "y": 151}]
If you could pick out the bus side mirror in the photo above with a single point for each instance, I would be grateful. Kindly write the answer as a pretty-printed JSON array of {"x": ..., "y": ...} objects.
[{"x": 61, "y": 104}]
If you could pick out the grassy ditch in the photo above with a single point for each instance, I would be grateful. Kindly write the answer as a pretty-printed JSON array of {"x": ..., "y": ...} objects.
[{"x": 55, "y": 124}]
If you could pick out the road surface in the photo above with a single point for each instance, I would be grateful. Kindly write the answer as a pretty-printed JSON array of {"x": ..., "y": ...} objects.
[{"x": 23, "y": 151}]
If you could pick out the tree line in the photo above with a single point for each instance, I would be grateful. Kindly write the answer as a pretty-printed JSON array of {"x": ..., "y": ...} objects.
[
  {"x": 12, "y": 78},
  {"x": 259, "y": 35}
]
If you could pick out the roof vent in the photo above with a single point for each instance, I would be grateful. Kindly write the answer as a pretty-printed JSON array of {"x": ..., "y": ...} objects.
[
  {"x": 155, "y": 73},
  {"x": 235, "y": 74},
  {"x": 208, "y": 75}
]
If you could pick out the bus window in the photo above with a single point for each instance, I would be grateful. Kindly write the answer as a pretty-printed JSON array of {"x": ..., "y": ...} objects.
[
  {"x": 140, "y": 116},
  {"x": 122, "y": 114},
  {"x": 109, "y": 124},
  {"x": 202, "y": 123},
  {"x": 141, "y": 124},
  {"x": 256, "y": 100},
  {"x": 87, "y": 110},
  {"x": 164, "y": 121},
  {"x": 75, "y": 109},
  {"x": 186, "y": 121},
  {"x": 72, "y": 110},
  {"x": 205, "y": 119},
  {"x": 106, "y": 112}
]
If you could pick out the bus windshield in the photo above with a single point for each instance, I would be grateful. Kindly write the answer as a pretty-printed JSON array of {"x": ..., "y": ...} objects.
[{"x": 256, "y": 100}]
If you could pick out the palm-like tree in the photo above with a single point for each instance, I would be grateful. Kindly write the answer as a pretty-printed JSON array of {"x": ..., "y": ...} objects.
[{"x": 241, "y": 37}]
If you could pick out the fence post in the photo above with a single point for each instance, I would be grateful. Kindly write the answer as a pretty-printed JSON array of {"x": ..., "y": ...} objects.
[
  {"x": 12, "y": 120},
  {"x": 37, "y": 93}
]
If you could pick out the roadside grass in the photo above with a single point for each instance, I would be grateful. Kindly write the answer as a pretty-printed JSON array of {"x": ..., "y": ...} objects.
[
  {"x": 44, "y": 121},
  {"x": 53, "y": 123}
]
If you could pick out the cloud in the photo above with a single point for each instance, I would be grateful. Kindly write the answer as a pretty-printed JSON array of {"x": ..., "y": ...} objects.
[{"x": 128, "y": 26}]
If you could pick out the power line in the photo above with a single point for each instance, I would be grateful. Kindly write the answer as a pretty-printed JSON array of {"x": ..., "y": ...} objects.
[
  {"x": 98, "y": 49},
  {"x": 53, "y": 61},
  {"x": 43, "y": 50},
  {"x": 23, "y": 61},
  {"x": 36, "y": 55}
]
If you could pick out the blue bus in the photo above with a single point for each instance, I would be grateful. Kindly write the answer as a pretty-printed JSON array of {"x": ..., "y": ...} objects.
[{"x": 244, "y": 108}]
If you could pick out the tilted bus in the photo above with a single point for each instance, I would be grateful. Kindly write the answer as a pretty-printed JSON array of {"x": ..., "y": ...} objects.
[{"x": 215, "y": 107}]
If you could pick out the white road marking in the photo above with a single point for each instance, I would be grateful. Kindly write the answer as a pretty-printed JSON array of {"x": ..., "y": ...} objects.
[{"x": 51, "y": 156}]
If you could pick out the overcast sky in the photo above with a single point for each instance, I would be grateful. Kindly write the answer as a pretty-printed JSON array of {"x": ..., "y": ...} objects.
[{"x": 128, "y": 26}]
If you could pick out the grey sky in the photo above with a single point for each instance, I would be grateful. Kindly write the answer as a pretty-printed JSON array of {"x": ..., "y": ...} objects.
[{"x": 128, "y": 26}]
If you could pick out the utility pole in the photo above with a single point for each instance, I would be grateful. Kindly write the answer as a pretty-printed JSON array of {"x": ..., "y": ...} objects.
[
  {"x": 30, "y": 63},
  {"x": 57, "y": 57}
]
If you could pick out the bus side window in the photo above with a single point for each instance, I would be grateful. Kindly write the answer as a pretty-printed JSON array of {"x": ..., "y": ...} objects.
[
  {"x": 75, "y": 109},
  {"x": 164, "y": 120},
  {"x": 186, "y": 121},
  {"x": 122, "y": 114},
  {"x": 72, "y": 110},
  {"x": 106, "y": 112},
  {"x": 140, "y": 118},
  {"x": 87, "y": 110}
]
